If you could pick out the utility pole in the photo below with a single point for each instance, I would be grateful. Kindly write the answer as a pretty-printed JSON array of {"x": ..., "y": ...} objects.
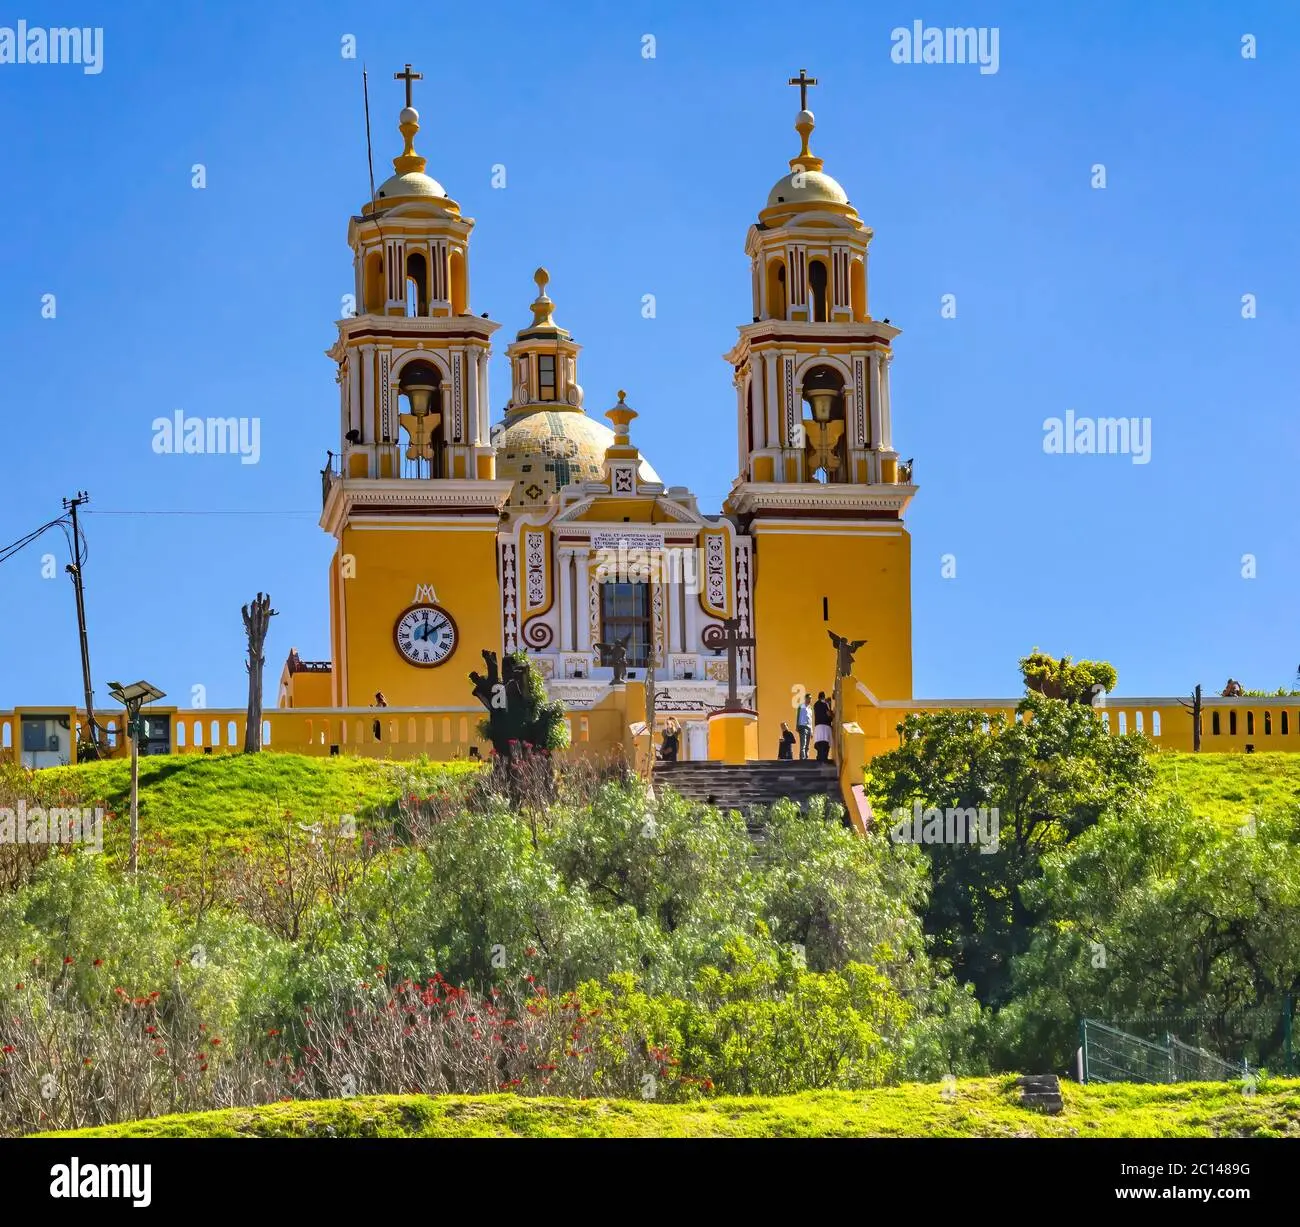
[{"x": 74, "y": 569}]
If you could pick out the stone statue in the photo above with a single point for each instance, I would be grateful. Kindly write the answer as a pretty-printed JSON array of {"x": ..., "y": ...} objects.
[{"x": 614, "y": 655}]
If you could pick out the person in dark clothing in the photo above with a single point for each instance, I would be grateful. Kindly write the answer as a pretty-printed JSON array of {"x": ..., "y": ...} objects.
[
  {"x": 822, "y": 718},
  {"x": 671, "y": 740},
  {"x": 786, "y": 748}
]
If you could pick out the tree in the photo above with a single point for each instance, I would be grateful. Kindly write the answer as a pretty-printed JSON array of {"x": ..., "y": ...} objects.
[
  {"x": 523, "y": 724},
  {"x": 257, "y": 620},
  {"x": 1042, "y": 781},
  {"x": 1060, "y": 679},
  {"x": 1194, "y": 706}
]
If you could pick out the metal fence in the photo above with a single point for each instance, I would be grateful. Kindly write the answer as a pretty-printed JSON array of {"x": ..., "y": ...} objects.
[
  {"x": 1108, "y": 1054},
  {"x": 1188, "y": 1047}
]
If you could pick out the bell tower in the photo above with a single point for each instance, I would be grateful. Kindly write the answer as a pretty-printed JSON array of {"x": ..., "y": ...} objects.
[
  {"x": 820, "y": 485},
  {"x": 411, "y": 495}
]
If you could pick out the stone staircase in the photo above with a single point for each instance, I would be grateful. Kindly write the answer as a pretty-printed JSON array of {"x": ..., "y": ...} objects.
[{"x": 750, "y": 786}]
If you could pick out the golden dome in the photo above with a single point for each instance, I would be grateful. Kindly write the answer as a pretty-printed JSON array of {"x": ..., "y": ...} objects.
[
  {"x": 543, "y": 450},
  {"x": 411, "y": 184},
  {"x": 802, "y": 187}
]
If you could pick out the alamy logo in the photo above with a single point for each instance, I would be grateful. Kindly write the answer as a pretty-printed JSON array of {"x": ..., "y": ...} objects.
[
  {"x": 83, "y": 826},
  {"x": 133, "y": 1181},
  {"x": 179, "y": 435},
  {"x": 924, "y": 44},
  {"x": 1075, "y": 436},
  {"x": 951, "y": 826},
  {"x": 25, "y": 44}
]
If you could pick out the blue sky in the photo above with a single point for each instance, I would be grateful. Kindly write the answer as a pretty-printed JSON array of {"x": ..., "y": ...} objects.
[{"x": 628, "y": 176}]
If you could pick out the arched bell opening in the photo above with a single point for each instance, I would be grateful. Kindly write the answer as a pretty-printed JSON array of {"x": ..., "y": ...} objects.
[
  {"x": 825, "y": 446},
  {"x": 417, "y": 285},
  {"x": 817, "y": 292},
  {"x": 421, "y": 384},
  {"x": 776, "y": 295}
]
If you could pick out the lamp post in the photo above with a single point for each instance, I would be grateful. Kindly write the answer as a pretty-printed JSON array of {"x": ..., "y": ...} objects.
[{"x": 132, "y": 698}]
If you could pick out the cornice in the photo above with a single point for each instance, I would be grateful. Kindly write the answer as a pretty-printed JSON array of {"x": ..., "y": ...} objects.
[
  {"x": 781, "y": 498},
  {"x": 355, "y": 497}
]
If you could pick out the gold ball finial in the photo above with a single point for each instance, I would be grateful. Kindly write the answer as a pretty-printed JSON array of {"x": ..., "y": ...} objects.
[
  {"x": 542, "y": 307},
  {"x": 622, "y": 396}
]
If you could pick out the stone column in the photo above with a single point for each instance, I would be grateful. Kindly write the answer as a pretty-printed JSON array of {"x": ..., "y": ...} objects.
[
  {"x": 772, "y": 394},
  {"x": 470, "y": 377},
  {"x": 691, "y": 643},
  {"x": 876, "y": 384},
  {"x": 565, "y": 581},
  {"x": 354, "y": 392},
  {"x": 886, "y": 424}
]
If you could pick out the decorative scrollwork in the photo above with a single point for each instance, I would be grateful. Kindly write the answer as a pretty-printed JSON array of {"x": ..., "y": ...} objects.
[
  {"x": 538, "y": 635},
  {"x": 714, "y": 637}
]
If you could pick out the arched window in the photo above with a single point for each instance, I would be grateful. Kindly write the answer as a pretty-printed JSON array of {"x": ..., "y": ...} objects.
[
  {"x": 1155, "y": 724},
  {"x": 417, "y": 285},
  {"x": 1284, "y": 724},
  {"x": 1214, "y": 723},
  {"x": 776, "y": 297},
  {"x": 1232, "y": 724},
  {"x": 817, "y": 291},
  {"x": 1250, "y": 724},
  {"x": 1268, "y": 724}
]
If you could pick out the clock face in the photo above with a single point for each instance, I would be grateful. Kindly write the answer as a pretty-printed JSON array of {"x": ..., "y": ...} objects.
[{"x": 425, "y": 635}]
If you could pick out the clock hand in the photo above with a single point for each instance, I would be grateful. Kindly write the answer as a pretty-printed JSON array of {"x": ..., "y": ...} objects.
[{"x": 426, "y": 626}]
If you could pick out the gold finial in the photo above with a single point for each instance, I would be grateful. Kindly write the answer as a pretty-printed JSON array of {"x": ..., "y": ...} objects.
[
  {"x": 621, "y": 415},
  {"x": 408, "y": 125},
  {"x": 542, "y": 305},
  {"x": 804, "y": 123}
]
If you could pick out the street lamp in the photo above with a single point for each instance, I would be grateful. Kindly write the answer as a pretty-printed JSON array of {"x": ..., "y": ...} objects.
[{"x": 132, "y": 697}]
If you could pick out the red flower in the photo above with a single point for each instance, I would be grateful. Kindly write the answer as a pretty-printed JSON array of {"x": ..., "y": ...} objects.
[
  {"x": 20, "y": 986},
  {"x": 85, "y": 1061},
  {"x": 532, "y": 950},
  {"x": 99, "y": 962},
  {"x": 8, "y": 1048},
  {"x": 67, "y": 958}
]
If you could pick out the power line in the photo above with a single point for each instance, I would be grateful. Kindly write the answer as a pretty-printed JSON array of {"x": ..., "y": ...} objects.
[
  {"x": 62, "y": 522},
  {"x": 241, "y": 511}
]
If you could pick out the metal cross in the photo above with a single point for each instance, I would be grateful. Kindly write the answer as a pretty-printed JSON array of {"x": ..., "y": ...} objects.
[
  {"x": 803, "y": 81},
  {"x": 728, "y": 636},
  {"x": 408, "y": 76}
]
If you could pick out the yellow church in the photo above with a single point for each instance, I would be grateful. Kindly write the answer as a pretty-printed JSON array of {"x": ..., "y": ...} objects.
[{"x": 549, "y": 532}]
